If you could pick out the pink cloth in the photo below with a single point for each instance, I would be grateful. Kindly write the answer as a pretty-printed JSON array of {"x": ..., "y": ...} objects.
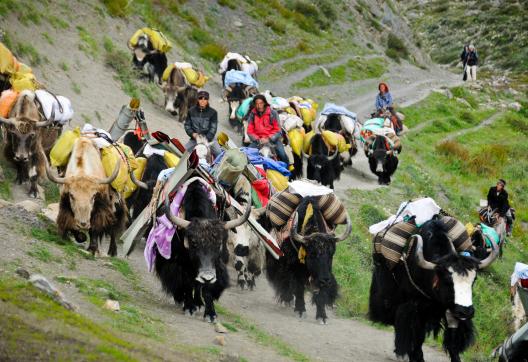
[{"x": 163, "y": 231}]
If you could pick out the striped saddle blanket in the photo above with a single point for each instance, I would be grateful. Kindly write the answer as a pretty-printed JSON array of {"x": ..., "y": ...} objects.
[{"x": 392, "y": 241}]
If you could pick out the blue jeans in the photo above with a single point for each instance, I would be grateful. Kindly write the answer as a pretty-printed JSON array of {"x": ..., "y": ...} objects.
[{"x": 279, "y": 150}]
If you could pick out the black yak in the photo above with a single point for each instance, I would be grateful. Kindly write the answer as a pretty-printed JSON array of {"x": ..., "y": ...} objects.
[
  {"x": 428, "y": 291},
  {"x": 196, "y": 273},
  {"x": 382, "y": 160},
  {"x": 321, "y": 167},
  {"x": 307, "y": 261}
]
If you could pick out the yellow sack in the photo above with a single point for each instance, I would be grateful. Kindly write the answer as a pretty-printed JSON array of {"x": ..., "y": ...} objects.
[
  {"x": 306, "y": 142},
  {"x": 308, "y": 116},
  {"x": 470, "y": 228},
  {"x": 166, "y": 73},
  {"x": 7, "y": 101},
  {"x": 291, "y": 111},
  {"x": 141, "y": 163},
  {"x": 342, "y": 145},
  {"x": 171, "y": 160},
  {"x": 8, "y": 62},
  {"x": 60, "y": 153},
  {"x": 110, "y": 156},
  {"x": 296, "y": 137},
  {"x": 202, "y": 79},
  {"x": 190, "y": 74},
  {"x": 313, "y": 103},
  {"x": 330, "y": 138},
  {"x": 23, "y": 81},
  {"x": 278, "y": 180},
  {"x": 156, "y": 37}
]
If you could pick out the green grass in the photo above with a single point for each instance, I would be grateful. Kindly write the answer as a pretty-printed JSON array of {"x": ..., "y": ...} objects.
[
  {"x": 88, "y": 44},
  {"x": 28, "y": 52},
  {"x": 213, "y": 52},
  {"x": 396, "y": 48},
  {"x": 48, "y": 38},
  {"x": 42, "y": 253},
  {"x": 457, "y": 174},
  {"x": 228, "y": 3},
  {"x": 261, "y": 337},
  {"x": 64, "y": 66},
  {"x": 354, "y": 69},
  {"x": 118, "y": 8},
  {"x": 76, "y": 88}
]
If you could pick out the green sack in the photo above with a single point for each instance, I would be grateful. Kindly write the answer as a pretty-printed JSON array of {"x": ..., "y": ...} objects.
[{"x": 243, "y": 109}]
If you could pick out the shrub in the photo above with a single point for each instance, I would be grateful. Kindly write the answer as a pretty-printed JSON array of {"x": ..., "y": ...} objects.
[
  {"x": 370, "y": 214},
  {"x": 213, "y": 52},
  {"x": 396, "y": 47},
  {"x": 453, "y": 149},
  {"x": 117, "y": 8},
  {"x": 199, "y": 36},
  {"x": 303, "y": 46},
  {"x": 277, "y": 26},
  {"x": 517, "y": 123},
  {"x": 228, "y": 3}
]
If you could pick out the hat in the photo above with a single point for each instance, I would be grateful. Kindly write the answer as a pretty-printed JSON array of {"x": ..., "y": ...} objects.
[
  {"x": 502, "y": 182},
  {"x": 204, "y": 94}
]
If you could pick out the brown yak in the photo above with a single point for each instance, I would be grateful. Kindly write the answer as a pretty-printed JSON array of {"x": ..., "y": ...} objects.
[
  {"x": 179, "y": 94},
  {"x": 88, "y": 202},
  {"x": 26, "y": 135}
]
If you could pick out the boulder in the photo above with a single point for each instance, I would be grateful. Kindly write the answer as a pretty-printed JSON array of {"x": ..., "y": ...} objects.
[
  {"x": 219, "y": 328},
  {"x": 238, "y": 24},
  {"x": 112, "y": 305},
  {"x": 516, "y": 106},
  {"x": 51, "y": 212},
  {"x": 29, "y": 206},
  {"x": 463, "y": 101},
  {"x": 42, "y": 284},
  {"x": 219, "y": 340},
  {"x": 23, "y": 273}
]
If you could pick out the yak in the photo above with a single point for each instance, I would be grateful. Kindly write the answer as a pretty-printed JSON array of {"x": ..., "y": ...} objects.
[
  {"x": 333, "y": 123},
  {"x": 28, "y": 139},
  {"x": 147, "y": 59},
  {"x": 307, "y": 261},
  {"x": 179, "y": 94},
  {"x": 321, "y": 167},
  {"x": 429, "y": 290},
  {"x": 87, "y": 201},
  {"x": 196, "y": 273},
  {"x": 382, "y": 160},
  {"x": 235, "y": 94}
]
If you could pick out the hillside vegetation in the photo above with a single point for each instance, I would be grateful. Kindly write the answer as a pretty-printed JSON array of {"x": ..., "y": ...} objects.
[{"x": 497, "y": 28}]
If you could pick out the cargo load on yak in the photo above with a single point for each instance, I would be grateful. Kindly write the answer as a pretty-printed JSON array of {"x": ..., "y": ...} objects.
[
  {"x": 15, "y": 73},
  {"x": 193, "y": 76},
  {"x": 59, "y": 106},
  {"x": 331, "y": 139},
  {"x": 237, "y": 76},
  {"x": 246, "y": 64},
  {"x": 243, "y": 108},
  {"x": 348, "y": 118},
  {"x": 304, "y": 108},
  {"x": 7, "y": 101},
  {"x": 158, "y": 40},
  {"x": 369, "y": 127},
  {"x": 283, "y": 205},
  {"x": 392, "y": 236}
]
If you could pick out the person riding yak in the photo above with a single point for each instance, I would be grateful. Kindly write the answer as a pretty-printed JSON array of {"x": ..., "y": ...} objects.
[
  {"x": 263, "y": 127},
  {"x": 384, "y": 103},
  {"x": 498, "y": 200},
  {"x": 202, "y": 121}
]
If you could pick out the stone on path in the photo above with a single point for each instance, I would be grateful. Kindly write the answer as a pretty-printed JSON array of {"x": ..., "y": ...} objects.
[
  {"x": 29, "y": 206},
  {"x": 219, "y": 328},
  {"x": 219, "y": 340},
  {"x": 41, "y": 283},
  {"x": 112, "y": 305},
  {"x": 51, "y": 211}
]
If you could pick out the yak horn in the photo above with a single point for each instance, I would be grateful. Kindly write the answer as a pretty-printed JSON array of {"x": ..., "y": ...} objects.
[
  {"x": 177, "y": 221},
  {"x": 293, "y": 232},
  {"x": 347, "y": 231},
  {"x": 305, "y": 154},
  {"x": 333, "y": 156},
  {"x": 137, "y": 182},
  {"x": 493, "y": 255},
  {"x": 9, "y": 121},
  {"x": 49, "y": 173},
  {"x": 231, "y": 224},
  {"x": 113, "y": 176},
  {"x": 48, "y": 121},
  {"x": 422, "y": 263}
]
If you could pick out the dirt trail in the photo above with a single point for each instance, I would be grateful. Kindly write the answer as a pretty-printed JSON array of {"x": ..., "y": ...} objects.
[{"x": 488, "y": 121}]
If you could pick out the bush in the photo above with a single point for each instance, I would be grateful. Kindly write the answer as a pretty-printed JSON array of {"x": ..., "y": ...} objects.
[
  {"x": 228, "y": 3},
  {"x": 396, "y": 47},
  {"x": 117, "y": 8},
  {"x": 199, "y": 36},
  {"x": 277, "y": 26},
  {"x": 371, "y": 215},
  {"x": 453, "y": 149},
  {"x": 213, "y": 52}
]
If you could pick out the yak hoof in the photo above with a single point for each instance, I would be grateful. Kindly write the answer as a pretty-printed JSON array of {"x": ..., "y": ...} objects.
[
  {"x": 210, "y": 318},
  {"x": 188, "y": 313},
  {"x": 302, "y": 315},
  {"x": 322, "y": 321}
]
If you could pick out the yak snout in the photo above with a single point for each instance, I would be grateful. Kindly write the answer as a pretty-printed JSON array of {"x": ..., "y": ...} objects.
[
  {"x": 463, "y": 313},
  {"x": 206, "y": 276},
  {"x": 379, "y": 166}
]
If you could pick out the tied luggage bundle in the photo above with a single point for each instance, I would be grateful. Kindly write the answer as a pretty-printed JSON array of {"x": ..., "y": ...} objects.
[
  {"x": 370, "y": 127},
  {"x": 20, "y": 75},
  {"x": 157, "y": 39},
  {"x": 193, "y": 76},
  {"x": 332, "y": 140},
  {"x": 394, "y": 240},
  {"x": 283, "y": 204},
  {"x": 305, "y": 108}
]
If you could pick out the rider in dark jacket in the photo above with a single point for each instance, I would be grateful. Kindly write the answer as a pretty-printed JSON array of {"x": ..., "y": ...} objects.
[
  {"x": 202, "y": 119},
  {"x": 498, "y": 200}
]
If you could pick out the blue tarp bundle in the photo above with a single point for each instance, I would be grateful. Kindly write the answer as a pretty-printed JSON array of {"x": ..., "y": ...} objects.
[
  {"x": 255, "y": 158},
  {"x": 331, "y": 108},
  {"x": 238, "y": 76}
]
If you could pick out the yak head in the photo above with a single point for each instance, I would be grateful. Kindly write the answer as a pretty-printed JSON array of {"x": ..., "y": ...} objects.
[
  {"x": 321, "y": 166},
  {"x": 319, "y": 248},
  {"x": 175, "y": 90},
  {"x": 379, "y": 153},
  {"x": 454, "y": 274},
  {"x": 81, "y": 192},
  {"x": 206, "y": 238},
  {"x": 23, "y": 127}
]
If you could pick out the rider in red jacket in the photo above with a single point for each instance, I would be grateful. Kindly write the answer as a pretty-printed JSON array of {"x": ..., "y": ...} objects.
[{"x": 263, "y": 127}]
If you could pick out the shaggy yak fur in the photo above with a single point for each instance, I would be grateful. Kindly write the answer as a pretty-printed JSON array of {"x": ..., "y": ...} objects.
[
  {"x": 379, "y": 156},
  {"x": 179, "y": 94},
  {"x": 289, "y": 276},
  {"x": 320, "y": 167},
  {"x": 202, "y": 246},
  {"x": 153, "y": 64},
  {"x": 395, "y": 301}
]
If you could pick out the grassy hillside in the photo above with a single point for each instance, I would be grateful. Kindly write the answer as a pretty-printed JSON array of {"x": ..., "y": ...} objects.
[
  {"x": 497, "y": 28},
  {"x": 457, "y": 174}
]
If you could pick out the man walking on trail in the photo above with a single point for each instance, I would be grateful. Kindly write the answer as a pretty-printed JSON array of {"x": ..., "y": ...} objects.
[
  {"x": 463, "y": 59},
  {"x": 471, "y": 63},
  {"x": 202, "y": 119},
  {"x": 498, "y": 200},
  {"x": 263, "y": 127}
]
